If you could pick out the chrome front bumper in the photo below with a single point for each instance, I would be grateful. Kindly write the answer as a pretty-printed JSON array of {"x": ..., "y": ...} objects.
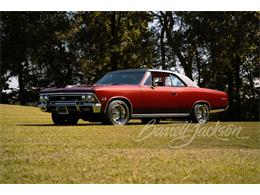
[{"x": 70, "y": 107}]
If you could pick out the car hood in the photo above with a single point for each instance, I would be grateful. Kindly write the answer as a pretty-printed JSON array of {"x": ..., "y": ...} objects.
[{"x": 69, "y": 89}]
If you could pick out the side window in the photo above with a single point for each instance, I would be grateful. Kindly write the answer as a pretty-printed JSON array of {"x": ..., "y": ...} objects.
[
  {"x": 164, "y": 79},
  {"x": 148, "y": 80},
  {"x": 168, "y": 82},
  {"x": 158, "y": 80},
  {"x": 176, "y": 82},
  {"x": 161, "y": 79}
]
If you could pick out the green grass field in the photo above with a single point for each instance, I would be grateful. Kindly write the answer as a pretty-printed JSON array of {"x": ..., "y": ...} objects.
[{"x": 32, "y": 150}]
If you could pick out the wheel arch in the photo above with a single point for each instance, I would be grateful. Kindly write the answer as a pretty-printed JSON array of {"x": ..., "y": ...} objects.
[
  {"x": 124, "y": 99},
  {"x": 200, "y": 101}
]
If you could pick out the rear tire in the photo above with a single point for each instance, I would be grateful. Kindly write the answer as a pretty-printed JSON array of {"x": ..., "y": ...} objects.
[
  {"x": 200, "y": 113},
  {"x": 149, "y": 120},
  {"x": 59, "y": 119}
]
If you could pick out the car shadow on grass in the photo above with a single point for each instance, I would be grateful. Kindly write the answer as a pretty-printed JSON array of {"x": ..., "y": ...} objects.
[
  {"x": 52, "y": 125},
  {"x": 82, "y": 124}
]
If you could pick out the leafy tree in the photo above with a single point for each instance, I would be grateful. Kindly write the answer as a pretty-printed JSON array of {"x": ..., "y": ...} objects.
[
  {"x": 113, "y": 40},
  {"x": 216, "y": 49},
  {"x": 15, "y": 49}
]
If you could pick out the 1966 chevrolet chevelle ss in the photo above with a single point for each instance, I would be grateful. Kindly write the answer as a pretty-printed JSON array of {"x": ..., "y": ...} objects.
[{"x": 136, "y": 93}]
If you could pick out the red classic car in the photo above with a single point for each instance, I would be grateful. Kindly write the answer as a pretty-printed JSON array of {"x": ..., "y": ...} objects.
[{"x": 136, "y": 93}]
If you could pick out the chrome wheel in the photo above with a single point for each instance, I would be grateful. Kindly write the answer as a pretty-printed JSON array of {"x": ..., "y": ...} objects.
[
  {"x": 118, "y": 113},
  {"x": 201, "y": 112}
]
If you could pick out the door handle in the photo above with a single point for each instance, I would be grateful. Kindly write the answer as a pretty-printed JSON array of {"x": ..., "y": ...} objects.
[{"x": 174, "y": 93}]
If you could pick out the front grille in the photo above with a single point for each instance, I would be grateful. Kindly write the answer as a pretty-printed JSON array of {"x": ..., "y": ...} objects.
[{"x": 65, "y": 98}]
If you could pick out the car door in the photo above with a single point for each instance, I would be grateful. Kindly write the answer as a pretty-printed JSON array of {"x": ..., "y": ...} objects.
[
  {"x": 179, "y": 87},
  {"x": 159, "y": 99}
]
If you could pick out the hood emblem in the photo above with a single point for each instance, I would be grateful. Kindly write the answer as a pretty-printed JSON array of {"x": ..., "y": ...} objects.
[{"x": 63, "y": 98}]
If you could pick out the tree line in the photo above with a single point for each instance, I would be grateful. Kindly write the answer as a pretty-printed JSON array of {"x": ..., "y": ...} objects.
[{"x": 218, "y": 50}]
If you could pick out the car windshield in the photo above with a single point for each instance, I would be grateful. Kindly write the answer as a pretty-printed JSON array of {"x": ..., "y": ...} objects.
[{"x": 121, "y": 78}]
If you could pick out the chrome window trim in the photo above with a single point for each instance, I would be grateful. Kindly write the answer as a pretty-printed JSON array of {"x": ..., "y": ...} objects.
[
  {"x": 149, "y": 72},
  {"x": 146, "y": 75},
  {"x": 173, "y": 74},
  {"x": 183, "y": 77}
]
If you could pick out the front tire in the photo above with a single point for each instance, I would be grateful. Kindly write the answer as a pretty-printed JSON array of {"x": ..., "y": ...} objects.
[
  {"x": 200, "y": 113},
  {"x": 117, "y": 113},
  {"x": 59, "y": 119}
]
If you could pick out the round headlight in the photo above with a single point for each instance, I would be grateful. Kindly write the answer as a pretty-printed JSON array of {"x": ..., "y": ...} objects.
[
  {"x": 44, "y": 98},
  {"x": 88, "y": 98},
  {"x": 41, "y": 98}
]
